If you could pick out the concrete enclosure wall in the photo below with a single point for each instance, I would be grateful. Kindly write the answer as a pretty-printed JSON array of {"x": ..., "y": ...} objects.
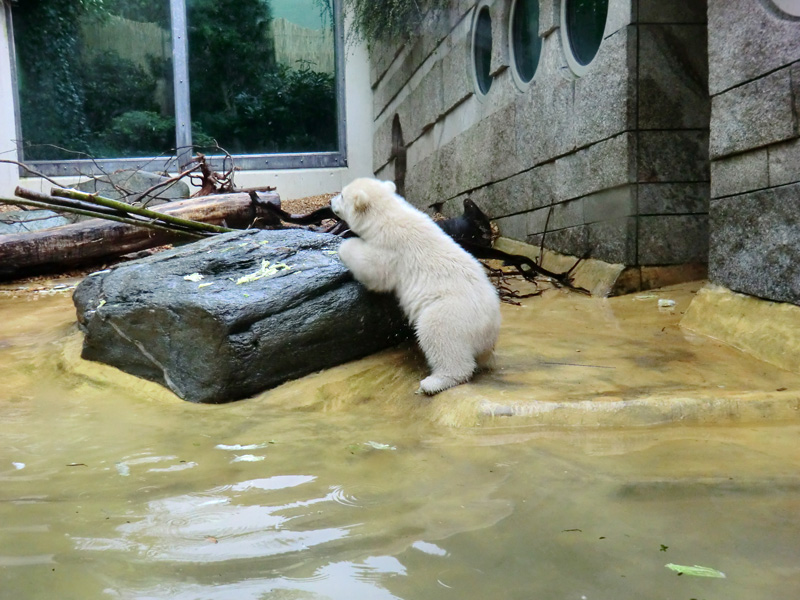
[
  {"x": 754, "y": 80},
  {"x": 612, "y": 162}
]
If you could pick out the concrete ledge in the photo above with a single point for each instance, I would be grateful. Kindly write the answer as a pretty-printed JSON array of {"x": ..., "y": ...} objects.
[
  {"x": 770, "y": 331},
  {"x": 700, "y": 409}
]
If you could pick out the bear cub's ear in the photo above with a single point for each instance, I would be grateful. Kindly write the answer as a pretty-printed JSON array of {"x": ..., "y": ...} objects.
[
  {"x": 389, "y": 185},
  {"x": 360, "y": 202}
]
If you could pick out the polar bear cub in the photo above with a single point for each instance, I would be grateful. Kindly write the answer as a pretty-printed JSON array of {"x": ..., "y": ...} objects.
[{"x": 444, "y": 292}]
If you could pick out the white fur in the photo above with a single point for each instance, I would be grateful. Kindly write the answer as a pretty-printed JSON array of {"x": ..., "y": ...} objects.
[{"x": 444, "y": 291}]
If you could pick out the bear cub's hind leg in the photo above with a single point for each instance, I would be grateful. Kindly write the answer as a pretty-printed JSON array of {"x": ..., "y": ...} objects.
[{"x": 450, "y": 358}]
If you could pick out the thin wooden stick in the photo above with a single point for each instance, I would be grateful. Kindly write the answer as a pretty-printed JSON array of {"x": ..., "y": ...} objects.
[
  {"x": 109, "y": 217},
  {"x": 142, "y": 212}
]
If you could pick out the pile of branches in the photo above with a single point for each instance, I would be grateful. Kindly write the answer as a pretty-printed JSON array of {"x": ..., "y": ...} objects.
[{"x": 472, "y": 230}]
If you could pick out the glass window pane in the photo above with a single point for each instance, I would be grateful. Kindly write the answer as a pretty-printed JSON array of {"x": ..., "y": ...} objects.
[
  {"x": 94, "y": 77},
  {"x": 262, "y": 75},
  {"x": 586, "y": 21},
  {"x": 525, "y": 40},
  {"x": 483, "y": 49}
]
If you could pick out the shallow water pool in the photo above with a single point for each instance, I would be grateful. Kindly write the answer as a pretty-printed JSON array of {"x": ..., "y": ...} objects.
[{"x": 110, "y": 487}]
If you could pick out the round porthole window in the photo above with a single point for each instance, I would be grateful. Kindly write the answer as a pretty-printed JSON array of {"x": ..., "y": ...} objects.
[
  {"x": 482, "y": 49},
  {"x": 526, "y": 45},
  {"x": 582, "y": 26},
  {"x": 790, "y": 7}
]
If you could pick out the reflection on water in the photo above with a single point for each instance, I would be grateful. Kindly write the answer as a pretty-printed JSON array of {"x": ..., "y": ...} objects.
[{"x": 112, "y": 488}]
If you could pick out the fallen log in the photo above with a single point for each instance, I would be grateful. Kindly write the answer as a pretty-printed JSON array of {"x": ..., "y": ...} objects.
[{"x": 97, "y": 240}]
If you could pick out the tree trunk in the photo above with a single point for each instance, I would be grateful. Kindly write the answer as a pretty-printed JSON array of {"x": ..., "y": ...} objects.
[{"x": 96, "y": 240}]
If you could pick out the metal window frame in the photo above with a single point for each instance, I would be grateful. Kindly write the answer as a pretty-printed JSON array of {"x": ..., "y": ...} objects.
[
  {"x": 183, "y": 127},
  {"x": 12, "y": 58}
]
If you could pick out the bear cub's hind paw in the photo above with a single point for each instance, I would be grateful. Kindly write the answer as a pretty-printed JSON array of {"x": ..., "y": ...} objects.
[{"x": 437, "y": 383}]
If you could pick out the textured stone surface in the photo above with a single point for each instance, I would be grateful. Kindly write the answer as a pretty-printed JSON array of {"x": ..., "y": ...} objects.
[
  {"x": 638, "y": 115},
  {"x": 754, "y": 243},
  {"x": 671, "y": 198},
  {"x": 601, "y": 166},
  {"x": 501, "y": 16},
  {"x": 673, "y": 77},
  {"x": 514, "y": 227},
  {"x": 747, "y": 40},
  {"x": 566, "y": 214},
  {"x": 549, "y": 17},
  {"x": 523, "y": 192},
  {"x": 394, "y": 80},
  {"x": 621, "y": 13},
  {"x": 381, "y": 55},
  {"x": 614, "y": 240},
  {"x": 456, "y": 84},
  {"x": 20, "y": 221},
  {"x": 605, "y": 98},
  {"x": 424, "y": 104},
  {"x": 673, "y": 156},
  {"x": 225, "y": 341},
  {"x": 740, "y": 173},
  {"x": 421, "y": 183},
  {"x": 545, "y": 127},
  {"x": 673, "y": 239},
  {"x": 572, "y": 241},
  {"x": 784, "y": 163},
  {"x": 121, "y": 184},
  {"x": 609, "y": 204},
  {"x": 478, "y": 161},
  {"x": 755, "y": 114},
  {"x": 672, "y": 11},
  {"x": 382, "y": 144}
]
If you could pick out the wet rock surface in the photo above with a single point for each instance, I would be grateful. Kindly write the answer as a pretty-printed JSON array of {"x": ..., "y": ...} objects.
[
  {"x": 22, "y": 221},
  {"x": 225, "y": 318}
]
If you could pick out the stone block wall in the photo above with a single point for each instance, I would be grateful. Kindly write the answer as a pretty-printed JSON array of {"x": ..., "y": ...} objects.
[
  {"x": 613, "y": 163},
  {"x": 754, "y": 81}
]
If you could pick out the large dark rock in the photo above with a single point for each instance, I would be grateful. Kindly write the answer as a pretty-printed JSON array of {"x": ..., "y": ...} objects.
[{"x": 216, "y": 340}]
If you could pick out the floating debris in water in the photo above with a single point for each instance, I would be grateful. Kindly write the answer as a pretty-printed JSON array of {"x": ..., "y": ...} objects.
[
  {"x": 379, "y": 446},
  {"x": 248, "y": 458},
  {"x": 266, "y": 270},
  {"x": 18, "y": 466},
  {"x": 179, "y": 467},
  {"x": 195, "y": 277},
  {"x": 429, "y": 548},
  {"x": 243, "y": 447},
  {"x": 665, "y": 303},
  {"x": 695, "y": 571}
]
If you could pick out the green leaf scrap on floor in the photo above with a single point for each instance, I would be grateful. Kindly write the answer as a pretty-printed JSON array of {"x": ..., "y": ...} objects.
[
  {"x": 266, "y": 270},
  {"x": 695, "y": 571}
]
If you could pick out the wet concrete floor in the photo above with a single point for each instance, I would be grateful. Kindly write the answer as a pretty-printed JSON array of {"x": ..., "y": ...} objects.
[{"x": 634, "y": 445}]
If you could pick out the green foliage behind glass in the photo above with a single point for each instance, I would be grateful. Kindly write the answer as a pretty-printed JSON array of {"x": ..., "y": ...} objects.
[
  {"x": 51, "y": 90},
  {"x": 107, "y": 106}
]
